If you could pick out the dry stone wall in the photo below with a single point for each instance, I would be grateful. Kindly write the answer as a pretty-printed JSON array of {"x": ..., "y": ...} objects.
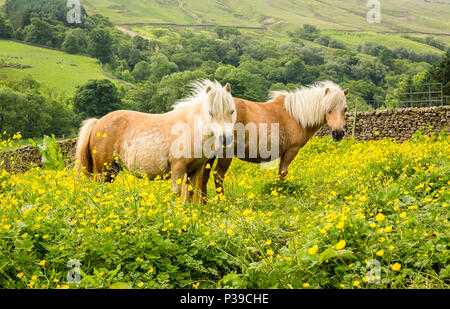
[{"x": 400, "y": 124}]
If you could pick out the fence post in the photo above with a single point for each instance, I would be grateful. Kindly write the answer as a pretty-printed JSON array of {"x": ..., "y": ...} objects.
[
  {"x": 429, "y": 95},
  {"x": 411, "y": 95},
  {"x": 354, "y": 119}
]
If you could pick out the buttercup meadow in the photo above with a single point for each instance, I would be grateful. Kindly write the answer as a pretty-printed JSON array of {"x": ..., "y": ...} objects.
[{"x": 351, "y": 215}]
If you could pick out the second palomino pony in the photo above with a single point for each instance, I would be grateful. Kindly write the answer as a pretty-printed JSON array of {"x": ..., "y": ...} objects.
[
  {"x": 156, "y": 145},
  {"x": 298, "y": 115}
]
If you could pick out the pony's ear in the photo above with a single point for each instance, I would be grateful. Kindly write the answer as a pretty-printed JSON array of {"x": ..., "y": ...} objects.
[
  {"x": 208, "y": 89},
  {"x": 327, "y": 91},
  {"x": 346, "y": 91},
  {"x": 228, "y": 87}
]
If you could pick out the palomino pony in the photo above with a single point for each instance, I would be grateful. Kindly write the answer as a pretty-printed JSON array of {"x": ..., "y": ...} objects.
[
  {"x": 154, "y": 145},
  {"x": 298, "y": 116}
]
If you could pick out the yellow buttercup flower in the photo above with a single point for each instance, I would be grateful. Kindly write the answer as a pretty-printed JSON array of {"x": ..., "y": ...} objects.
[
  {"x": 396, "y": 266},
  {"x": 313, "y": 249},
  {"x": 340, "y": 245},
  {"x": 380, "y": 217}
]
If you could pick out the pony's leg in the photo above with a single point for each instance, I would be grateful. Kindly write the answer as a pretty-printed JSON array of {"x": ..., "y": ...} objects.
[
  {"x": 178, "y": 171},
  {"x": 106, "y": 172},
  {"x": 112, "y": 170},
  {"x": 221, "y": 169},
  {"x": 286, "y": 160},
  {"x": 205, "y": 179},
  {"x": 191, "y": 182}
]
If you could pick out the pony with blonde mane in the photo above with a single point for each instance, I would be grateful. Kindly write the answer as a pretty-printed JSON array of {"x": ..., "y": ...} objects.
[
  {"x": 298, "y": 116},
  {"x": 158, "y": 144}
]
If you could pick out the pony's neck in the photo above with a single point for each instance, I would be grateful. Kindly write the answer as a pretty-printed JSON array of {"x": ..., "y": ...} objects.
[
  {"x": 310, "y": 130},
  {"x": 306, "y": 105}
]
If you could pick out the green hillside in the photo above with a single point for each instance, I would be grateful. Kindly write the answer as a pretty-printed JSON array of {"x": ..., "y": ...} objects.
[
  {"x": 402, "y": 16},
  {"x": 55, "y": 70}
]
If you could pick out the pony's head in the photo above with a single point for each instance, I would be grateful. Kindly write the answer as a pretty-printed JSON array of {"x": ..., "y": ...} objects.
[
  {"x": 335, "y": 113},
  {"x": 221, "y": 113},
  {"x": 217, "y": 110},
  {"x": 316, "y": 105}
]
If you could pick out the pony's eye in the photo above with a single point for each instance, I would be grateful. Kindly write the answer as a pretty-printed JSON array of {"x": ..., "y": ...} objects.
[
  {"x": 211, "y": 114},
  {"x": 232, "y": 112}
]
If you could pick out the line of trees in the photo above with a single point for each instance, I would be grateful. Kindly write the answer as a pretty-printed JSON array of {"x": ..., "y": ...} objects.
[{"x": 163, "y": 67}]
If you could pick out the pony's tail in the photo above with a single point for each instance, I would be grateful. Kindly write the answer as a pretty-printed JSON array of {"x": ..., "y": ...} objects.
[{"x": 83, "y": 154}]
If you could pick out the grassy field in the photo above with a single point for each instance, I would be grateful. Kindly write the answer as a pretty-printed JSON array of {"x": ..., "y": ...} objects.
[
  {"x": 352, "y": 40},
  {"x": 58, "y": 71},
  {"x": 415, "y": 15},
  {"x": 351, "y": 215}
]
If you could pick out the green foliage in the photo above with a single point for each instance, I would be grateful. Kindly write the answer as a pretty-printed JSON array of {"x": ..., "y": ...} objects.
[
  {"x": 440, "y": 73},
  {"x": 43, "y": 33},
  {"x": 23, "y": 108},
  {"x": 307, "y": 32},
  {"x": 21, "y": 12},
  {"x": 100, "y": 44},
  {"x": 75, "y": 41},
  {"x": 52, "y": 158},
  {"x": 96, "y": 98},
  {"x": 6, "y": 28}
]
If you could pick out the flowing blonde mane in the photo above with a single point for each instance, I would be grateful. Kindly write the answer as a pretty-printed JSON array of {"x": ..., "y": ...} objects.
[
  {"x": 308, "y": 105},
  {"x": 221, "y": 100}
]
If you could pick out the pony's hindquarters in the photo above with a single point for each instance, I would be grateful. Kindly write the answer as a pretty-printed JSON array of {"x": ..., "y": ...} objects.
[{"x": 83, "y": 154}]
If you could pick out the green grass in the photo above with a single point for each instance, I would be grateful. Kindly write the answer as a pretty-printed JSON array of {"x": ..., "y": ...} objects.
[
  {"x": 61, "y": 72},
  {"x": 352, "y": 40}
]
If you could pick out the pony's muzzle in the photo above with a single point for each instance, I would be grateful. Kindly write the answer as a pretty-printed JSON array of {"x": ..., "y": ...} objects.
[
  {"x": 338, "y": 135},
  {"x": 226, "y": 141}
]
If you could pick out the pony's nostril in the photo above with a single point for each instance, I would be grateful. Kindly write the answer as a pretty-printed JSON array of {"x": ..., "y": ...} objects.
[{"x": 338, "y": 134}]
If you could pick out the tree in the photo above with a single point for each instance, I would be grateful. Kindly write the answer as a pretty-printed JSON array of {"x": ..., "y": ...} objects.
[
  {"x": 39, "y": 32},
  {"x": 96, "y": 98},
  {"x": 245, "y": 85},
  {"x": 12, "y": 118},
  {"x": 160, "y": 66},
  {"x": 75, "y": 41},
  {"x": 440, "y": 73},
  {"x": 6, "y": 28},
  {"x": 141, "y": 71},
  {"x": 101, "y": 44},
  {"x": 307, "y": 32},
  {"x": 171, "y": 88},
  {"x": 31, "y": 113}
]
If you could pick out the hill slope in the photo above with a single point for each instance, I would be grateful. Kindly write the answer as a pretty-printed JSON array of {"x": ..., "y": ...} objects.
[
  {"x": 403, "y": 16},
  {"x": 55, "y": 70}
]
